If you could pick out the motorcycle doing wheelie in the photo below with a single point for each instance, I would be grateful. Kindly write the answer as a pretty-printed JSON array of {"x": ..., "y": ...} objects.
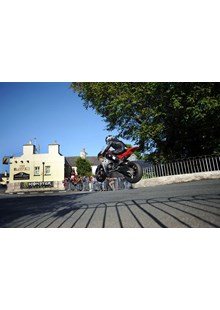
[{"x": 131, "y": 170}]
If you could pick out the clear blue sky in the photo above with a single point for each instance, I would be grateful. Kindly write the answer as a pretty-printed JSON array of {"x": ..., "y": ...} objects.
[{"x": 47, "y": 112}]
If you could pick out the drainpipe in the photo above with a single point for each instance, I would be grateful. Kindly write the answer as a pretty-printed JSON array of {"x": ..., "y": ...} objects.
[{"x": 43, "y": 170}]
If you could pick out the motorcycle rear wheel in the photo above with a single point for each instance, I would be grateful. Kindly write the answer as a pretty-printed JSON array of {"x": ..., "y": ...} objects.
[{"x": 134, "y": 172}]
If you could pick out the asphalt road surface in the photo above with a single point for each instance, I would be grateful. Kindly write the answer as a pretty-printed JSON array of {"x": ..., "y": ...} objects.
[{"x": 193, "y": 204}]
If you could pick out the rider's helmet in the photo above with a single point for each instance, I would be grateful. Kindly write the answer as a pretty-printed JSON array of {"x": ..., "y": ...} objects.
[{"x": 108, "y": 139}]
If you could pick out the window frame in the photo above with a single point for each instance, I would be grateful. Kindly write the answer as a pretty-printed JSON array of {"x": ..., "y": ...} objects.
[
  {"x": 36, "y": 171},
  {"x": 47, "y": 172}
]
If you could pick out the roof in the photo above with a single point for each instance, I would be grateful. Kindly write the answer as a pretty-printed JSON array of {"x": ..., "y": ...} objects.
[{"x": 71, "y": 160}]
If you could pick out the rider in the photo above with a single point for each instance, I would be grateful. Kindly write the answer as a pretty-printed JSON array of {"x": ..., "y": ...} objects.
[{"x": 118, "y": 146}]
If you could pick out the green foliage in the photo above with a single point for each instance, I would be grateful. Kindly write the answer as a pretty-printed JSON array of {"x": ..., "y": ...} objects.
[
  {"x": 167, "y": 120},
  {"x": 83, "y": 167}
]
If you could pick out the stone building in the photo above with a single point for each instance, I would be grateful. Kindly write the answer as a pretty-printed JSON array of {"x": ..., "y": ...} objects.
[{"x": 70, "y": 162}]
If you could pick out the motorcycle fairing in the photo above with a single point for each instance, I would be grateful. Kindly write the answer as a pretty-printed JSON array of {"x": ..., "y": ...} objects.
[{"x": 128, "y": 152}]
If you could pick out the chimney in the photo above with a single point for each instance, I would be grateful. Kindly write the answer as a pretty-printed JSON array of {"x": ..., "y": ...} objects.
[
  {"x": 54, "y": 149},
  {"x": 83, "y": 153},
  {"x": 28, "y": 149}
]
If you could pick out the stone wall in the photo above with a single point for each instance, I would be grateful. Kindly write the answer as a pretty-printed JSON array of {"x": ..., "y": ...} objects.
[{"x": 177, "y": 179}]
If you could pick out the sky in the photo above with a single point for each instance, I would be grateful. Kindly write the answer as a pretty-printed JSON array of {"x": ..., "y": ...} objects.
[{"x": 45, "y": 113}]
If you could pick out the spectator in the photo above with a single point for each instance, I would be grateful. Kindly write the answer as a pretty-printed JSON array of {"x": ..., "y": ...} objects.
[
  {"x": 79, "y": 184},
  {"x": 91, "y": 183},
  {"x": 112, "y": 183},
  {"x": 85, "y": 184}
]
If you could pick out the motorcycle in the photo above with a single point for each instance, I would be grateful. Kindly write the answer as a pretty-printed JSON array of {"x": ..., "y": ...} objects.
[{"x": 131, "y": 170}]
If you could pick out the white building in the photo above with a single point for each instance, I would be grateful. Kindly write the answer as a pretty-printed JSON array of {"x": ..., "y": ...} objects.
[
  {"x": 33, "y": 171},
  {"x": 4, "y": 179}
]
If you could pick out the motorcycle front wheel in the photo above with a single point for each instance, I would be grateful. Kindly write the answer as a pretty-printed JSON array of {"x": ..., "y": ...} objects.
[
  {"x": 134, "y": 172},
  {"x": 100, "y": 174}
]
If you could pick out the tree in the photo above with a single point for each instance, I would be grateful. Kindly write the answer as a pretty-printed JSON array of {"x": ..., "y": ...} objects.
[
  {"x": 83, "y": 167},
  {"x": 167, "y": 120}
]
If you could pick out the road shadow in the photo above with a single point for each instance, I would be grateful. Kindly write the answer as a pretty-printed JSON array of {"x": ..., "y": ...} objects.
[
  {"x": 173, "y": 212},
  {"x": 14, "y": 208},
  {"x": 69, "y": 211}
]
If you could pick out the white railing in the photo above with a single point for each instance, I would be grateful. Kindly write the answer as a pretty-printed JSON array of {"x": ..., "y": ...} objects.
[{"x": 183, "y": 166}]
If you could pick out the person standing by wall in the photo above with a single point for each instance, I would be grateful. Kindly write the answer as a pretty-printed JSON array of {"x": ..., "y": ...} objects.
[{"x": 91, "y": 183}]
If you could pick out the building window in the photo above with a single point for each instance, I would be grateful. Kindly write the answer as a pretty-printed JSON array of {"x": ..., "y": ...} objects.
[
  {"x": 47, "y": 170},
  {"x": 37, "y": 170}
]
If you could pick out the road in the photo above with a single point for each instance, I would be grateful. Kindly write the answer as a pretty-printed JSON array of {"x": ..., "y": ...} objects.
[{"x": 192, "y": 204}]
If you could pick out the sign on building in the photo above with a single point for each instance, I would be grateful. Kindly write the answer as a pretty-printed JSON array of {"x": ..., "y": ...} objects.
[
  {"x": 22, "y": 176},
  {"x": 36, "y": 184},
  {"x": 5, "y": 160}
]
